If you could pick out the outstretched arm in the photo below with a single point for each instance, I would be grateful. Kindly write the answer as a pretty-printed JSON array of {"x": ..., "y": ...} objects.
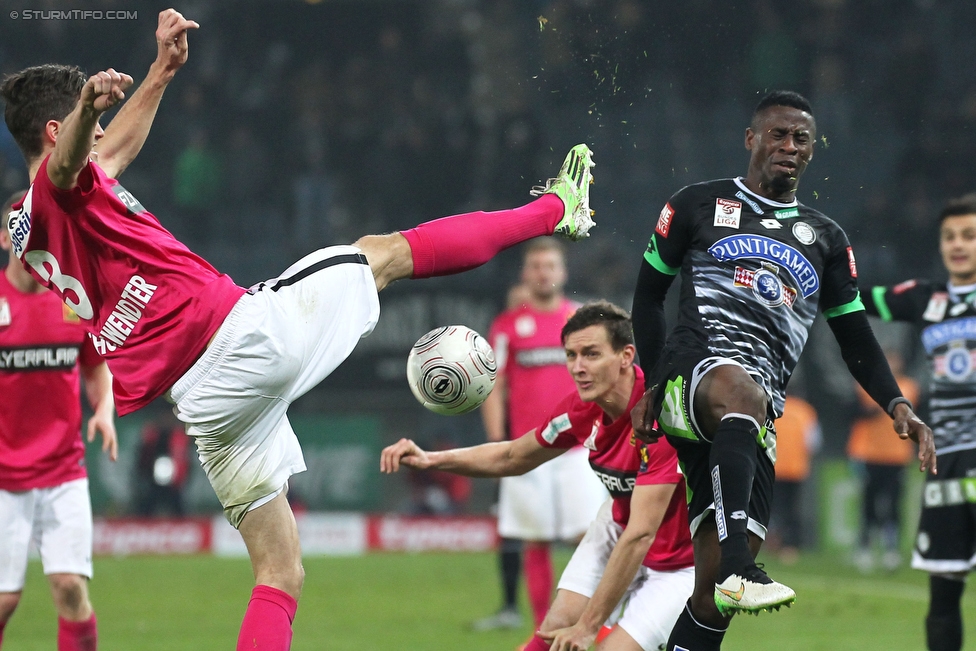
[
  {"x": 98, "y": 388},
  {"x": 503, "y": 459},
  {"x": 127, "y": 132},
  {"x": 867, "y": 363},
  {"x": 648, "y": 505},
  {"x": 76, "y": 134}
]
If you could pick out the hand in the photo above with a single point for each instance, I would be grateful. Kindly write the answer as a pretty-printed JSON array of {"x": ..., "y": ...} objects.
[
  {"x": 575, "y": 638},
  {"x": 642, "y": 419},
  {"x": 406, "y": 452},
  {"x": 910, "y": 426},
  {"x": 106, "y": 425},
  {"x": 105, "y": 89},
  {"x": 171, "y": 41}
]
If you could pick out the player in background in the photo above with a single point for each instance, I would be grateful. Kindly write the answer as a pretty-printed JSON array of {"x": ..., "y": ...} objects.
[
  {"x": 946, "y": 542},
  {"x": 637, "y": 552},
  {"x": 43, "y": 483},
  {"x": 230, "y": 359},
  {"x": 881, "y": 463},
  {"x": 756, "y": 266},
  {"x": 44, "y": 353},
  {"x": 557, "y": 500},
  {"x": 798, "y": 438}
]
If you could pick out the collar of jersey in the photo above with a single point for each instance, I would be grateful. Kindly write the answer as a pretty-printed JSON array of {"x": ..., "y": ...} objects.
[
  {"x": 769, "y": 202},
  {"x": 961, "y": 292}
]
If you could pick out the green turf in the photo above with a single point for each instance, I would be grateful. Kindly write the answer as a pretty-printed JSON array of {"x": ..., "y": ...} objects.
[{"x": 425, "y": 601}]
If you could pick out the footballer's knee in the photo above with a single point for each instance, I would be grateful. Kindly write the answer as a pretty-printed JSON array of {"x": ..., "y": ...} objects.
[
  {"x": 729, "y": 389},
  {"x": 70, "y": 592},
  {"x": 8, "y": 604},
  {"x": 389, "y": 256}
]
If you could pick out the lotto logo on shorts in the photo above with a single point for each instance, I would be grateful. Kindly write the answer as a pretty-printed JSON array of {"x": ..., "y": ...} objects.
[{"x": 664, "y": 221}]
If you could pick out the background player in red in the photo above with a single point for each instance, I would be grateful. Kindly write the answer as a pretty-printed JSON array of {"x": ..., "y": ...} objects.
[
  {"x": 43, "y": 485},
  {"x": 231, "y": 360},
  {"x": 44, "y": 353},
  {"x": 557, "y": 500},
  {"x": 639, "y": 545}
]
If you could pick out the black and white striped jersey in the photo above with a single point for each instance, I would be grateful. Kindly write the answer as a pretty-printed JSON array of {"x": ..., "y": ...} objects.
[
  {"x": 947, "y": 316},
  {"x": 753, "y": 273}
]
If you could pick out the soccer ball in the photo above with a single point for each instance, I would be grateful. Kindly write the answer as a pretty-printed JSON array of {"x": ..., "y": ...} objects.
[{"x": 451, "y": 370}]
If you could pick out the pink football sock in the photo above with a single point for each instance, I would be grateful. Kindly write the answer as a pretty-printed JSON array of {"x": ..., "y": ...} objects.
[
  {"x": 454, "y": 244},
  {"x": 77, "y": 636},
  {"x": 267, "y": 622},
  {"x": 538, "y": 579}
]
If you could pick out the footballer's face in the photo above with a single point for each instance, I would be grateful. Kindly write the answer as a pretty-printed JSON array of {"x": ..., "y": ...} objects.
[
  {"x": 957, "y": 243},
  {"x": 598, "y": 370},
  {"x": 781, "y": 140},
  {"x": 544, "y": 273}
]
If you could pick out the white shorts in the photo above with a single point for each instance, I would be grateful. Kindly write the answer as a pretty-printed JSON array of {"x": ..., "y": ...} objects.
[
  {"x": 556, "y": 501},
  {"x": 58, "y": 520},
  {"x": 653, "y": 601},
  {"x": 281, "y": 339}
]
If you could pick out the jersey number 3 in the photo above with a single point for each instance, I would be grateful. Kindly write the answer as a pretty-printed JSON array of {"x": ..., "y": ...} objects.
[{"x": 47, "y": 267}]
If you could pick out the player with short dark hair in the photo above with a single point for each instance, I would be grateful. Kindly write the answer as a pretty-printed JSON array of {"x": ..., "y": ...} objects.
[
  {"x": 43, "y": 481},
  {"x": 558, "y": 500},
  {"x": 946, "y": 312},
  {"x": 756, "y": 265},
  {"x": 230, "y": 359},
  {"x": 637, "y": 552}
]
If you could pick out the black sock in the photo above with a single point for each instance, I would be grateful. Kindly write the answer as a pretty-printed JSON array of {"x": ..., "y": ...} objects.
[
  {"x": 733, "y": 466},
  {"x": 943, "y": 626},
  {"x": 689, "y": 635},
  {"x": 510, "y": 563}
]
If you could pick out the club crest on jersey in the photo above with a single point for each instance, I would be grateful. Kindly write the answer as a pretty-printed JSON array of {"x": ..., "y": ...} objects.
[
  {"x": 766, "y": 285},
  {"x": 727, "y": 213},
  {"x": 19, "y": 225},
  {"x": 525, "y": 326},
  {"x": 804, "y": 234},
  {"x": 664, "y": 220},
  {"x": 760, "y": 247},
  {"x": 956, "y": 364}
]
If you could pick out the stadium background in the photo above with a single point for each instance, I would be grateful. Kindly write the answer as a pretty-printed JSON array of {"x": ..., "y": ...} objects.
[{"x": 295, "y": 125}]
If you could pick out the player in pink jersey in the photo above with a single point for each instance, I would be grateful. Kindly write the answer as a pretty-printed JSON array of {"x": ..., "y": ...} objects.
[
  {"x": 44, "y": 353},
  {"x": 231, "y": 360},
  {"x": 639, "y": 545},
  {"x": 43, "y": 484},
  {"x": 558, "y": 500}
]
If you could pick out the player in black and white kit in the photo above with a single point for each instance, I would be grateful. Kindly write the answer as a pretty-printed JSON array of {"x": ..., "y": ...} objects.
[
  {"x": 946, "y": 542},
  {"x": 755, "y": 266}
]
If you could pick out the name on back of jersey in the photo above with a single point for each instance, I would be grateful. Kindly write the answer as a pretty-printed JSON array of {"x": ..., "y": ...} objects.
[{"x": 125, "y": 316}]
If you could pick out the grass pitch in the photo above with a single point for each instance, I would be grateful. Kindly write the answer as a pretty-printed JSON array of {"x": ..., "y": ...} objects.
[{"x": 425, "y": 602}]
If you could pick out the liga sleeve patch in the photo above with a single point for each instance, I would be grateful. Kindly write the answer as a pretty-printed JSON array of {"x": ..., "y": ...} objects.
[
  {"x": 555, "y": 427},
  {"x": 851, "y": 263},
  {"x": 664, "y": 220}
]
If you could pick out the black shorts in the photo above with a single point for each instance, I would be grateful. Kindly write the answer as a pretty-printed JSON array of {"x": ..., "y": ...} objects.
[
  {"x": 946, "y": 540},
  {"x": 675, "y": 380}
]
